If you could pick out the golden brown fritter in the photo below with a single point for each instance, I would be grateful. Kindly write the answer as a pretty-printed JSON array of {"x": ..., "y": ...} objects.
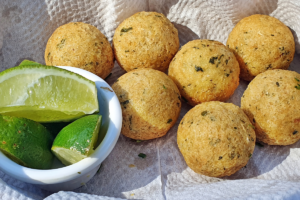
[
  {"x": 145, "y": 40},
  {"x": 150, "y": 103},
  {"x": 80, "y": 45},
  {"x": 272, "y": 103},
  {"x": 261, "y": 43},
  {"x": 205, "y": 70},
  {"x": 216, "y": 139}
]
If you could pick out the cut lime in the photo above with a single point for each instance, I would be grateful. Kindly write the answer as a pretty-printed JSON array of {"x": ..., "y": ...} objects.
[
  {"x": 77, "y": 140},
  {"x": 26, "y": 142},
  {"x": 28, "y": 62},
  {"x": 46, "y": 93}
]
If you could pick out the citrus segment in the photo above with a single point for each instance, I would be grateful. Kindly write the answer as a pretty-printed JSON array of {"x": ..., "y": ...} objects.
[
  {"x": 77, "y": 140},
  {"x": 28, "y": 62},
  {"x": 46, "y": 93},
  {"x": 26, "y": 142}
]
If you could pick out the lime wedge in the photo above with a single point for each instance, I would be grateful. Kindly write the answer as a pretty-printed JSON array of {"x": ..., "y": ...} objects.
[
  {"x": 28, "y": 62},
  {"x": 26, "y": 142},
  {"x": 46, "y": 94},
  {"x": 77, "y": 140}
]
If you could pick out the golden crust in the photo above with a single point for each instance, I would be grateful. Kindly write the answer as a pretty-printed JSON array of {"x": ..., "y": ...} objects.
[
  {"x": 145, "y": 40},
  {"x": 261, "y": 43},
  {"x": 272, "y": 104},
  {"x": 150, "y": 103},
  {"x": 205, "y": 70},
  {"x": 216, "y": 139},
  {"x": 80, "y": 45}
]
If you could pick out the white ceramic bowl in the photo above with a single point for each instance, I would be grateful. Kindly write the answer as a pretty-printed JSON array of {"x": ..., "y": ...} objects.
[{"x": 73, "y": 176}]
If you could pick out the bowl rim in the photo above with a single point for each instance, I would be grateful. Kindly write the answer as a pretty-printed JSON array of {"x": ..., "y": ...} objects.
[{"x": 67, "y": 173}]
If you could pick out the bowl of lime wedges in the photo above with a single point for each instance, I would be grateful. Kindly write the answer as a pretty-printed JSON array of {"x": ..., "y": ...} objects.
[{"x": 57, "y": 124}]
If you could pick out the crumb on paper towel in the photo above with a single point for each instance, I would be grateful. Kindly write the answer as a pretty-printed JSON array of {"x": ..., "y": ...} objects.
[{"x": 131, "y": 165}]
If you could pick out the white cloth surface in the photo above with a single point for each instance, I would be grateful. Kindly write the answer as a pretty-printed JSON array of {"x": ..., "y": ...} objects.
[{"x": 273, "y": 172}]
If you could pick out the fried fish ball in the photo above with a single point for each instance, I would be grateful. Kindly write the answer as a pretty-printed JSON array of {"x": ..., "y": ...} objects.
[
  {"x": 216, "y": 139},
  {"x": 261, "y": 43},
  {"x": 205, "y": 70},
  {"x": 150, "y": 103},
  {"x": 272, "y": 103},
  {"x": 145, "y": 40},
  {"x": 80, "y": 45}
]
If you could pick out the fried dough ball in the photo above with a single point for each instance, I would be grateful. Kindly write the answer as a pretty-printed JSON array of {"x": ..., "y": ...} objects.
[
  {"x": 145, "y": 40},
  {"x": 261, "y": 43},
  {"x": 216, "y": 139},
  {"x": 272, "y": 103},
  {"x": 80, "y": 45},
  {"x": 205, "y": 70},
  {"x": 150, "y": 103}
]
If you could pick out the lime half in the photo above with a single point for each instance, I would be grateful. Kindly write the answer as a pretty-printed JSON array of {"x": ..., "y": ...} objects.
[
  {"x": 46, "y": 93},
  {"x": 77, "y": 140},
  {"x": 26, "y": 142}
]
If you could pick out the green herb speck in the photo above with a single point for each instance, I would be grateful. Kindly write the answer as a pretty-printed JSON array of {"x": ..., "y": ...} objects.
[
  {"x": 198, "y": 68},
  {"x": 169, "y": 121},
  {"x": 269, "y": 67},
  {"x": 204, "y": 113},
  {"x": 252, "y": 126},
  {"x": 250, "y": 155},
  {"x": 295, "y": 77},
  {"x": 124, "y": 103},
  {"x": 139, "y": 141},
  {"x": 164, "y": 87},
  {"x": 61, "y": 44},
  {"x": 212, "y": 59},
  {"x": 124, "y": 30},
  {"x": 295, "y": 132},
  {"x": 277, "y": 84},
  {"x": 142, "y": 155}
]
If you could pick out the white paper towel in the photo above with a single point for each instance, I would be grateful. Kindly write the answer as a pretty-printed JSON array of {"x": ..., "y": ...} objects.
[{"x": 272, "y": 173}]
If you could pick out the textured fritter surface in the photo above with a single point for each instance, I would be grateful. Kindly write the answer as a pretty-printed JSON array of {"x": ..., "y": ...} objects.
[
  {"x": 216, "y": 139},
  {"x": 150, "y": 103},
  {"x": 145, "y": 40},
  {"x": 261, "y": 43},
  {"x": 205, "y": 70},
  {"x": 80, "y": 45},
  {"x": 272, "y": 103}
]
